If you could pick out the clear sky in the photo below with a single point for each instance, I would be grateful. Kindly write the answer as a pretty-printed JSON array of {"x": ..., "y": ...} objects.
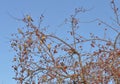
[{"x": 55, "y": 12}]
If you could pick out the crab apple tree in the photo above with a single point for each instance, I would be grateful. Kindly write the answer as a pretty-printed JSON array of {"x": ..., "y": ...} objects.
[{"x": 47, "y": 58}]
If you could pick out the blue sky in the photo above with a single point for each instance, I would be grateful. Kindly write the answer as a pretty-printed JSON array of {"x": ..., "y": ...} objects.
[{"x": 55, "y": 12}]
